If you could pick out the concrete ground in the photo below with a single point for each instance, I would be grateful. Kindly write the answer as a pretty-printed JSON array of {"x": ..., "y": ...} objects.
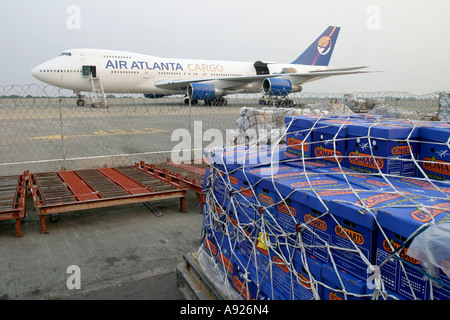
[{"x": 125, "y": 252}]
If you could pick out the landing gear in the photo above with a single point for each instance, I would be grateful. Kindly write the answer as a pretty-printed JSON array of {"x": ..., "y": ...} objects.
[
  {"x": 80, "y": 102},
  {"x": 220, "y": 101},
  {"x": 277, "y": 101},
  {"x": 93, "y": 102},
  {"x": 193, "y": 102}
]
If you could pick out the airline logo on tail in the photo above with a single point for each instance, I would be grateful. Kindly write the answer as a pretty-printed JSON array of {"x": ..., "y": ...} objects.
[
  {"x": 324, "y": 45},
  {"x": 319, "y": 52}
]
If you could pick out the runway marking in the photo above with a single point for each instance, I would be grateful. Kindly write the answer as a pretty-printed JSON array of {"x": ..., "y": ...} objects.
[{"x": 100, "y": 133}]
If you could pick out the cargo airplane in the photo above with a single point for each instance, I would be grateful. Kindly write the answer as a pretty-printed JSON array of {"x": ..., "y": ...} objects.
[{"x": 108, "y": 71}]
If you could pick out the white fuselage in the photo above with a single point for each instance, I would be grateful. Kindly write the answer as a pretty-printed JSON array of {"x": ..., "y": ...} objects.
[{"x": 126, "y": 72}]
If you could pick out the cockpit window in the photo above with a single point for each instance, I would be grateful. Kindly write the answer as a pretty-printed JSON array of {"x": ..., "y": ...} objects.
[{"x": 66, "y": 54}]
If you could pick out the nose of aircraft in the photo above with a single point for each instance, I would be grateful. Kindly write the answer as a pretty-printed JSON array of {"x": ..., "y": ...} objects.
[{"x": 35, "y": 72}]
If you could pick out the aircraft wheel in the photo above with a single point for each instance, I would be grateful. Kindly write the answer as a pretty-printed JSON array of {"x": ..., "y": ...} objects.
[
  {"x": 219, "y": 102},
  {"x": 193, "y": 102},
  {"x": 80, "y": 102}
]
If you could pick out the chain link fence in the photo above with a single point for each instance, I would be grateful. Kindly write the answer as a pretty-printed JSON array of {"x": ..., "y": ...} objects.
[{"x": 43, "y": 129}]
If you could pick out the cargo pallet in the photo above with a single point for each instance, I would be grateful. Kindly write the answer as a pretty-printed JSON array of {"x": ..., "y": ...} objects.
[
  {"x": 64, "y": 191},
  {"x": 12, "y": 199},
  {"x": 73, "y": 190},
  {"x": 193, "y": 283},
  {"x": 189, "y": 174}
]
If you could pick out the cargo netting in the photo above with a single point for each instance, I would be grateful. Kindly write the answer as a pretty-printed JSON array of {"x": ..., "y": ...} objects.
[{"x": 330, "y": 208}]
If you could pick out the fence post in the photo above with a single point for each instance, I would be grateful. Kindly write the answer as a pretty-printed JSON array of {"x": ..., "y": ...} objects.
[{"x": 62, "y": 134}]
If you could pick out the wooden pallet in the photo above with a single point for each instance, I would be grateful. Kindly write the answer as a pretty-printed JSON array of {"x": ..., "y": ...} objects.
[{"x": 193, "y": 283}]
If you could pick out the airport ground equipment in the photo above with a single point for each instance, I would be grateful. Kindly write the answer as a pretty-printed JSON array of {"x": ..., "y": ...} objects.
[
  {"x": 98, "y": 91},
  {"x": 99, "y": 99},
  {"x": 190, "y": 174},
  {"x": 64, "y": 191},
  {"x": 12, "y": 199}
]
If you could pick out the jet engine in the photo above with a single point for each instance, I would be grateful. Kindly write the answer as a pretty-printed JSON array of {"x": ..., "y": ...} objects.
[
  {"x": 203, "y": 91},
  {"x": 279, "y": 87}
]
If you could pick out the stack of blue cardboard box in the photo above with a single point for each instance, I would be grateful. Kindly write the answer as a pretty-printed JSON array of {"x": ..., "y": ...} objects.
[{"x": 310, "y": 219}]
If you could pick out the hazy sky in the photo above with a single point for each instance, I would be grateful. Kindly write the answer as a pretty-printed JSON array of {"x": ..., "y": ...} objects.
[{"x": 407, "y": 40}]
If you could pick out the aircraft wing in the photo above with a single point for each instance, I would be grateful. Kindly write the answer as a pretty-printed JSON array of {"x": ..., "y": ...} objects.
[
  {"x": 234, "y": 83},
  {"x": 316, "y": 75},
  {"x": 228, "y": 83},
  {"x": 339, "y": 69}
]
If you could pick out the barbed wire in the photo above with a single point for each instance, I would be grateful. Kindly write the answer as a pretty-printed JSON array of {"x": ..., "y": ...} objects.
[
  {"x": 49, "y": 91},
  {"x": 37, "y": 119}
]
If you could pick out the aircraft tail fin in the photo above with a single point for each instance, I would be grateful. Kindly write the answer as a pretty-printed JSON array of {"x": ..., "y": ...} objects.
[{"x": 319, "y": 52}]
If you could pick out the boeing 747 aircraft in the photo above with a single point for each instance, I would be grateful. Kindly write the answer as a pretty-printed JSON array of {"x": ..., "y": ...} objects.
[{"x": 108, "y": 71}]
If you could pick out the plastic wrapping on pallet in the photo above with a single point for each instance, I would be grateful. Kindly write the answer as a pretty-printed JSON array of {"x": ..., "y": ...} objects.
[
  {"x": 216, "y": 276},
  {"x": 400, "y": 272},
  {"x": 432, "y": 250}
]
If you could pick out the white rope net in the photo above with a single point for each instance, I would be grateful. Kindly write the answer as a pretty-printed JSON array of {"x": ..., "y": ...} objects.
[{"x": 331, "y": 213}]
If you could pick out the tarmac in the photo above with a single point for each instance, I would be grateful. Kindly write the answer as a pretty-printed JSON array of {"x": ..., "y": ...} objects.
[
  {"x": 124, "y": 252},
  {"x": 119, "y": 253}
]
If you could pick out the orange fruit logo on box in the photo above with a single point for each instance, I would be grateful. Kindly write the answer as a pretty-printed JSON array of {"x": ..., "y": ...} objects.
[
  {"x": 365, "y": 160},
  {"x": 286, "y": 209},
  {"x": 424, "y": 217},
  {"x": 315, "y": 222},
  {"x": 266, "y": 199},
  {"x": 297, "y": 144},
  {"x": 435, "y": 165},
  {"x": 328, "y": 153},
  {"x": 346, "y": 233},
  {"x": 401, "y": 150}
]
